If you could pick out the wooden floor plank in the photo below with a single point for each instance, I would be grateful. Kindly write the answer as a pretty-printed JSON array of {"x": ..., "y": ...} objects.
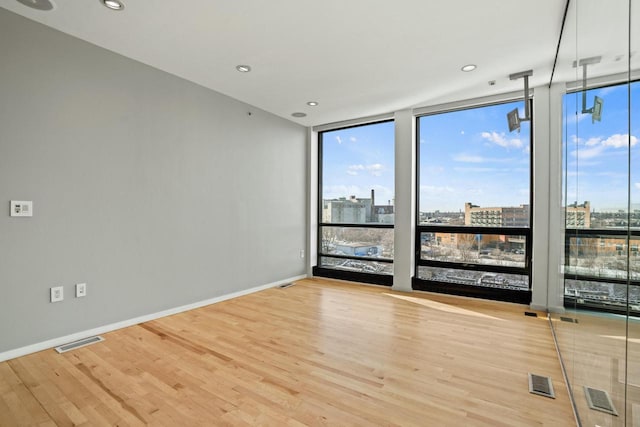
[{"x": 318, "y": 353}]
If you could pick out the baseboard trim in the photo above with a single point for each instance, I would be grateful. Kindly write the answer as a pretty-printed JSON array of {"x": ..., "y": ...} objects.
[
  {"x": 538, "y": 307},
  {"x": 55, "y": 342}
]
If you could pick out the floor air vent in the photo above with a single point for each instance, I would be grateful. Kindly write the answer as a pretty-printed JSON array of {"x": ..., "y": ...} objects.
[
  {"x": 599, "y": 400},
  {"x": 569, "y": 319},
  {"x": 286, "y": 285},
  {"x": 530, "y": 314},
  {"x": 541, "y": 385},
  {"x": 78, "y": 344}
]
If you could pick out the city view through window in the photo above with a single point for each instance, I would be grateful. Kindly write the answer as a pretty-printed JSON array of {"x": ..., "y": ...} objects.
[
  {"x": 357, "y": 206},
  {"x": 602, "y": 201},
  {"x": 474, "y": 213},
  {"x": 474, "y": 198}
]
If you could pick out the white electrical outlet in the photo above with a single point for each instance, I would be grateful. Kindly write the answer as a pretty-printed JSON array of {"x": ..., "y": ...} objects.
[
  {"x": 81, "y": 290},
  {"x": 21, "y": 208},
  {"x": 302, "y": 253},
  {"x": 57, "y": 294}
]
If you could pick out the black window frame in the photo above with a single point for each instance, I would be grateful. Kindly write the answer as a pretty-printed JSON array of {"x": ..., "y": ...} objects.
[
  {"x": 498, "y": 294},
  {"x": 332, "y": 273}
]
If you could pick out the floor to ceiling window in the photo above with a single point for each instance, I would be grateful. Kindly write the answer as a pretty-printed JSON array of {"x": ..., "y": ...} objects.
[
  {"x": 356, "y": 203},
  {"x": 473, "y": 233}
]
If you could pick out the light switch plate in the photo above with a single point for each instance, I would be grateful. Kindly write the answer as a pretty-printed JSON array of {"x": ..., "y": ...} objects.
[
  {"x": 81, "y": 290},
  {"x": 21, "y": 208},
  {"x": 57, "y": 294}
]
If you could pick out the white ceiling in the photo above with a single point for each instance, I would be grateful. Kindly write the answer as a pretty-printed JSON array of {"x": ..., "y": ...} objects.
[{"x": 355, "y": 57}]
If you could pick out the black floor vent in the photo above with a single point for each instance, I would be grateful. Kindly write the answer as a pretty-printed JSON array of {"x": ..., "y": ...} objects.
[
  {"x": 79, "y": 343},
  {"x": 530, "y": 314},
  {"x": 599, "y": 400},
  {"x": 286, "y": 285},
  {"x": 569, "y": 319},
  {"x": 541, "y": 385}
]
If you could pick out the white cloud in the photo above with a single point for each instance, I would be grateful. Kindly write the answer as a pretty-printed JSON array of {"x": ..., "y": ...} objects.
[
  {"x": 501, "y": 140},
  {"x": 619, "y": 140},
  {"x": 339, "y": 139},
  {"x": 473, "y": 158},
  {"x": 466, "y": 158},
  {"x": 599, "y": 144},
  {"x": 436, "y": 190},
  {"x": 588, "y": 153},
  {"x": 461, "y": 132},
  {"x": 481, "y": 170},
  {"x": 637, "y": 185},
  {"x": 575, "y": 118},
  {"x": 432, "y": 170},
  {"x": 353, "y": 169},
  {"x": 353, "y": 139},
  {"x": 375, "y": 169}
]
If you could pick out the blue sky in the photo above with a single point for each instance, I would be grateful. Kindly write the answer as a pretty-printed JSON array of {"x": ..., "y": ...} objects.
[
  {"x": 470, "y": 156},
  {"x": 357, "y": 160},
  {"x": 596, "y": 154}
]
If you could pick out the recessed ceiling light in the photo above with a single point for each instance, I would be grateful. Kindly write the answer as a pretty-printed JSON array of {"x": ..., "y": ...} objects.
[
  {"x": 113, "y": 4},
  {"x": 243, "y": 68},
  {"x": 468, "y": 67},
  {"x": 38, "y": 4},
  {"x": 299, "y": 115},
  {"x": 312, "y": 103}
]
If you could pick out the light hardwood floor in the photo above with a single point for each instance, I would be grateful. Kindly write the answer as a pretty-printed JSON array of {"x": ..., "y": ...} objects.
[
  {"x": 317, "y": 353},
  {"x": 596, "y": 354}
]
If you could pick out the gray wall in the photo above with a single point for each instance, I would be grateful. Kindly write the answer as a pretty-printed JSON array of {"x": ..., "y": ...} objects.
[{"x": 153, "y": 190}]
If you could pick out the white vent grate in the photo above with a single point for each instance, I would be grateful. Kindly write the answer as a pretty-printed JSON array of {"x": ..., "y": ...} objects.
[{"x": 80, "y": 343}]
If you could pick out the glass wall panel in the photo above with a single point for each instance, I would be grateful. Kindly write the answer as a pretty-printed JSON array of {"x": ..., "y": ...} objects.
[{"x": 601, "y": 281}]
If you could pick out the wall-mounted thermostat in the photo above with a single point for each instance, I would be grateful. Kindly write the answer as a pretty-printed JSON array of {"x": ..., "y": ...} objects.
[{"x": 21, "y": 208}]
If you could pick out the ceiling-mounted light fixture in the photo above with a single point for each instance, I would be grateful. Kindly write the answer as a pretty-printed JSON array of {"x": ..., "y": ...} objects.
[
  {"x": 113, "y": 4},
  {"x": 312, "y": 103},
  {"x": 299, "y": 115},
  {"x": 44, "y": 5},
  {"x": 243, "y": 68},
  {"x": 596, "y": 110},
  {"x": 513, "y": 117},
  {"x": 468, "y": 67}
]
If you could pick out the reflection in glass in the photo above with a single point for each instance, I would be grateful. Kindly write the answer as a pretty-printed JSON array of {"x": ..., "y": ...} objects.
[{"x": 603, "y": 256}]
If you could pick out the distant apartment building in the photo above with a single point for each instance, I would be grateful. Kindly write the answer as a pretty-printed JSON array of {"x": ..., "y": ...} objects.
[
  {"x": 496, "y": 216},
  {"x": 346, "y": 211},
  {"x": 578, "y": 216},
  {"x": 356, "y": 211}
]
